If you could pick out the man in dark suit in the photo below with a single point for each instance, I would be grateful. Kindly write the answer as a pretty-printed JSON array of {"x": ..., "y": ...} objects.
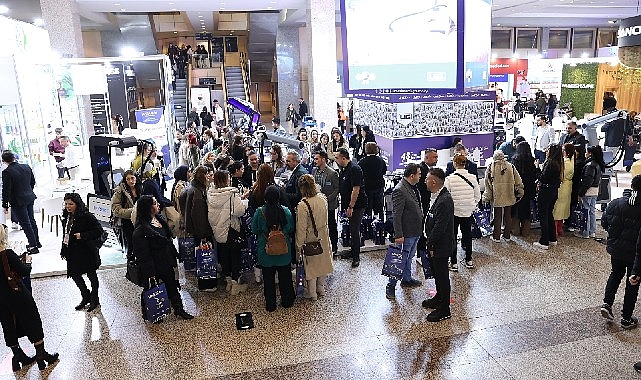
[
  {"x": 470, "y": 166},
  {"x": 407, "y": 212},
  {"x": 439, "y": 228},
  {"x": 302, "y": 109},
  {"x": 429, "y": 161},
  {"x": 17, "y": 192},
  {"x": 328, "y": 180},
  {"x": 292, "y": 188}
]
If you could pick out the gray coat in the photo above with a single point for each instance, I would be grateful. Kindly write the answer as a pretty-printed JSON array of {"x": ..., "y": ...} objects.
[
  {"x": 406, "y": 211},
  {"x": 329, "y": 185}
]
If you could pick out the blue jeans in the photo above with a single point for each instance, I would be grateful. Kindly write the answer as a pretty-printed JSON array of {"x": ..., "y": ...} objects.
[
  {"x": 409, "y": 245},
  {"x": 589, "y": 203},
  {"x": 24, "y": 214}
]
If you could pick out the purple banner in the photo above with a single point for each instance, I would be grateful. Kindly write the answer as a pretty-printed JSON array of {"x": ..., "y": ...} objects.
[
  {"x": 431, "y": 96},
  {"x": 399, "y": 152}
]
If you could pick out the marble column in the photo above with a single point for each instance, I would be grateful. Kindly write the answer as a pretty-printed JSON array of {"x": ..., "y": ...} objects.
[
  {"x": 289, "y": 69},
  {"x": 321, "y": 28},
  {"x": 62, "y": 21}
]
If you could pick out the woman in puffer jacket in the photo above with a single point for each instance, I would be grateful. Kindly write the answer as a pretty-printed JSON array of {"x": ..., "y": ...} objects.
[
  {"x": 225, "y": 207},
  {"x": 464, "y": 189},
  {"x": 503, "y": 188}
]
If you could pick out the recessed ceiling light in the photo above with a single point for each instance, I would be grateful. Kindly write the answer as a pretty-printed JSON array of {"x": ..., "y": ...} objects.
[
  {"x": 230, "y": 34},
  {"x": 222, "y": 9},
  {"x": 4, "y": 9},
  {"x": 171, "y": 3},
  {"x": 201, "y": 16},
  {"x": 270, "y": 8},
  {"x": 117, "y": 4},
  {"x": 174, "y": 9},
  {"x": 612, "y": 21},
  {"x": 175, "y": 32},
  {"x": 498, "y": 24},
  {"x": 122, "y": 9},
  {"x": 526, "y": 25}
]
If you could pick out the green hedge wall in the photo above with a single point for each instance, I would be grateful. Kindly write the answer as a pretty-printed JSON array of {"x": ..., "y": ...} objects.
[{"x": 582, "y": 99}]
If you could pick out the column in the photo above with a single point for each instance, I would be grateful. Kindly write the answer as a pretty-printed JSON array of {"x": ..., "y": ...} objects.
[
  {"x": 289, "y": 69},
  {"x": 321, "y": 29},
  {"x": 63, "y": 24}
]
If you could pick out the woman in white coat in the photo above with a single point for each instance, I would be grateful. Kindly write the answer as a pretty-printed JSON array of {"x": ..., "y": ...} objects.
[
  {"x": 465, "y": 192},
  {"x": 317, "y": 267},
  {"x": 225, "y": 207}
]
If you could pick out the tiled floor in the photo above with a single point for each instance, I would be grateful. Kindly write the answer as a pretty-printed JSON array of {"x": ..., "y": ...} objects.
[{"x": 521, "y": 314}]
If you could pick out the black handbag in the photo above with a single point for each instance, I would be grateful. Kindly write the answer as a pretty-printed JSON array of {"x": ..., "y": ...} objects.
[
  {"x": 134, "y": 272},
  {"x": 312, "y": 248}
]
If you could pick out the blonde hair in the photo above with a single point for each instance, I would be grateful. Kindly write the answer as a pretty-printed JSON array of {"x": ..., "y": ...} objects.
[
  {"x": 3, "y": 238},
  {"x": 307, "y": 186},
  {"x": 459, "y": 159}
]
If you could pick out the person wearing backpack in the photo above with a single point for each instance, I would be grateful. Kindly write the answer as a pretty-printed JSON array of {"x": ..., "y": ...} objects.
[
  {"x": 311, "y": 226},
  {"x": 273, "y": 224}
]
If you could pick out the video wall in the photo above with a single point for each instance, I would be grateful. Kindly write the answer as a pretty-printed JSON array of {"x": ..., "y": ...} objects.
[
  {"x": 394, "y": 120},
  {"x": 415, "y": 44}
]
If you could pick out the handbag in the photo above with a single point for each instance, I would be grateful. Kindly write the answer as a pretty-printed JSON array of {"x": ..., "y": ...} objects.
[
  {"x": 312, "y": 248},
  {"x": 395, "y": 261},
  {"x": 134, "y": 272},
  {"x": 156, "y": 302},
  {"x": 233, "y": 236}
]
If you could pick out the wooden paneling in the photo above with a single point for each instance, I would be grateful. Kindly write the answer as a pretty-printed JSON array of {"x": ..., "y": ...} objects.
[{"x": 623, "y": 81}]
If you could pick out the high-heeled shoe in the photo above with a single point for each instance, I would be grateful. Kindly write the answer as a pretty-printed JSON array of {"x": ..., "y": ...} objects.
[
  {"x": 20, "y": 361},
  {"x": 46, "y": 359}
]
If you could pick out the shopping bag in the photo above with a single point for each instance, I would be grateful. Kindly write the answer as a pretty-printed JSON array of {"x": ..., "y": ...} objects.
[
  {"x": 426, "y": 263},
  {"x": 206, "y": 262},
  {"x": 156, "y": 302},
  {"x": 395, "y": 261},
  {"x": 186, "y": 253},
  {"x": 579, "y": 218},
  {"x": 481, "y": 223},
  {"x": 300, "y": 279}
]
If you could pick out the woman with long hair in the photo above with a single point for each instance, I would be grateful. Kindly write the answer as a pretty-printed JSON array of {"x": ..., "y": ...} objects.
[
  {"x": 323, "y": 144},
  {"x": 338, "y": 141},
  {"x": 313, "y": 205},
  {"x": 273, "y": 215},
  {"x": 548, "y": 192},
  {"x": 195, "y": 209},
  {"x": 291, "y": 118},
  {"x": 524, "y": 163},
  {"x": 562, "y": 206},
  {"x": 19, "y": 314},
  {"x": 589, "y": 190},
  {"x": 277, "y": 161},
  {"x": 156, "y": 253},
  {"x": 237, "y": 149},
  {"x": 81, "y": 230},
  {"x": 225, "y": 207},
  {"x": 122, "y": 205},
  {"x": 264, "y": 178}
]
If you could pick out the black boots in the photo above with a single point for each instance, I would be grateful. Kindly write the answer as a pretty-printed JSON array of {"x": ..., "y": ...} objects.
[
  {"x": 20, "y": 359},
  {"x": 43, "y": 357},
  {"x": 95, "y": 302},
  {"x": 179, "y": 309},
  {"x": 86, "y": 298}
]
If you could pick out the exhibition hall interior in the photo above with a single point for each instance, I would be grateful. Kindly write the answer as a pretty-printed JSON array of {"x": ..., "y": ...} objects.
[{"x": 502, "y": 136}]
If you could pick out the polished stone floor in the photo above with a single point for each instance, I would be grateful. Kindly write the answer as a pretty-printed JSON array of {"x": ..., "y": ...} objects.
[{"x": 521, "y": 314}]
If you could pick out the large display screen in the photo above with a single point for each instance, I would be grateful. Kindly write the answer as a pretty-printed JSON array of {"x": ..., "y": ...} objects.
[
  {"x": 478, "y": 41},
  {"x": 404, "y": 44}
]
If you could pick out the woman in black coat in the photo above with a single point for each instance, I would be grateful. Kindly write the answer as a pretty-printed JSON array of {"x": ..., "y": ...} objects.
[
  {"x": 524, "y": 163},
  {"x": 155, "y": 251},
  {"x": 81, "y": 231},
  {"x": 19, "y": 314},
  {"x": 548, "y": 192}
]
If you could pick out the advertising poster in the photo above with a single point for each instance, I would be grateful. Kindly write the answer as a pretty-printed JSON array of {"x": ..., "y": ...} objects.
[
  {"x": 578, "y": 86},
  {"x": 200, "y": 98},
  {"x": 545, "y": 74},
  {"x": 151, "y": 126},
  {"x": 516, "y": 71}
]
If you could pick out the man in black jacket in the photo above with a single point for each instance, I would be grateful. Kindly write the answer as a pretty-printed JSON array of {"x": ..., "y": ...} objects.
[
  {"x": 302, "y": 109},
  {"x": 374, "y": 168},
  {"x": 353, "y": 201},
  {"x": 429, "y": 161},
  {"x": 470, "y": 166},
  {"x": 622, "y": 220},
  {"x": 18, "y": 182},
  {"x": 439, "y": 228}
]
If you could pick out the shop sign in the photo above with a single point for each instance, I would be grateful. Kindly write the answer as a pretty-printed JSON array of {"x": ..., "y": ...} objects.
[
  {"x": 630, "y": 32},
  {"x": 578, "y": 85}
]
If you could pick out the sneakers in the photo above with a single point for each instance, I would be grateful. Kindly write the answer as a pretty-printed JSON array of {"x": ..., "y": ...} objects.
[
  {"x": 438, "y": 315},
  {"x": 606, "y": 312},
  {"x": 469, "y": 264},
  {"x": 495, "y": 240},
  {"x": 637, "y": 366},
  {"x": 580, "y": 235},
  {"x": 571, "y": 229},
  {"x": 629, "y": 323},
  {"x": 237, "y": 288},
  {"x": 453, "y": 267},
  {"x": 593, "y": 235},
  {"x": 356, "y": 263},
  {"x": 390, "y": 292},
  {"x": 32, "y": 250},
  {"x": 553, "y": 243},
  {"x": 258, "y": 275},
  {"x": 540, "y": 246},
  {"x": 411, "y": 283}
]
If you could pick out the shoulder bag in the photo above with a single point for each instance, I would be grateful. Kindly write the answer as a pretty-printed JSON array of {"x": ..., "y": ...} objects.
[
  {"x": 13, "y": 278},
  {"x": 312, "y": 248}
]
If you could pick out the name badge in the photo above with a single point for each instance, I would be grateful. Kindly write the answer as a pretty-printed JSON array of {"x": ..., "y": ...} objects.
[
  {"x": 328, "y": 183},
  {"x": 430, "y": 215}
]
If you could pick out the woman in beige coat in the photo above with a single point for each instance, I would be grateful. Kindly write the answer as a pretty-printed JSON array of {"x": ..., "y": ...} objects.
[
  {"x": 503, "y": 188},
  {"x": 319, "y": 266},
  {"x": 562, "y": 205}
]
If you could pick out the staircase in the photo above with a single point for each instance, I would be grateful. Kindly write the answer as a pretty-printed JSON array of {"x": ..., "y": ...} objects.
[
  {"x": 180, "y": 102},
  {"x": 235, "y": 88}
]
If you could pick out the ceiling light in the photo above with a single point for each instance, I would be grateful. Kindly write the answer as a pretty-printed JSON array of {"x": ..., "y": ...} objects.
[
  {"x": 222, "y": 9},
  {"x": 201, "y": 16},
  {"x": 584, "y": 55},
  {"x": 270, "y": 7},
  {"x": 117, "y": 4},
  {"x": 175, "y": 32},
  {"x": 122, "y": 9},
  {"x": 498, "y": 24},
  {"x": 566, "y": 55},
  {"x": 230, "y": 34},
  {"x": 612, "y": 21},
  {"x": 174, "y": 9},
  {"x": 526, "y": 25},
  {"x": 38, "y": 22},
  {"x": 171, "y": 3}
]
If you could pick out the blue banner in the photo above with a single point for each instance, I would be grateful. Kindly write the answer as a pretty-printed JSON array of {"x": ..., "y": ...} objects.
[{"x": 149, "y": 115}]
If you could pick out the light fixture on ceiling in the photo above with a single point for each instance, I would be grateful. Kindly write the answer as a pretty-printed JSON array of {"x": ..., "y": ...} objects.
[
  {"x": 123, "y": 9},
  {"x": 612, "y": 21},
  {"x": 231, "y": 34},
  {"x": 498, "y": 24},
  {"x": 38, "y": 22},
  {"x": 566, "y": 55},
  {"x": 175, "y": 32},
  {"x": 116, "y": 4},
  {"x": 201, "y": 16},
  {"x": 173, "y": 9}
]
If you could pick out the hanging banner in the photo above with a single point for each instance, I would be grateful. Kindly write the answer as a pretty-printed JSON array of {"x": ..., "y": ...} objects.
[{"x": 516, "y": 71}]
